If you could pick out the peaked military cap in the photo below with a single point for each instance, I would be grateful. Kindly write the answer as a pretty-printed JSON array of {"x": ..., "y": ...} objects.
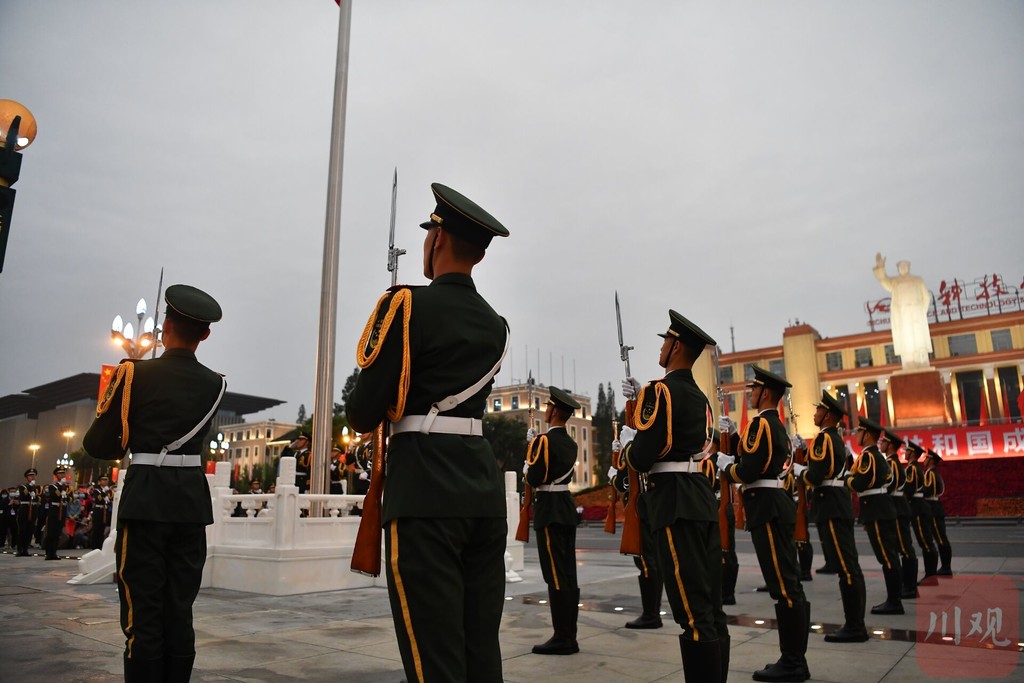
[
  {"x": 59, "y": 470},
  {"x": 685, "y": 331},
  {"x": 893, "y": 438},
  {"x": 562, "y": 399},
  {"x": 463, "y": 217},
  {"x": 869, "y": 425},
  {"x": 31, "y": 471},
  {"x": 830, "y": 404},
  {"x": 194, "y": 303},
  {"x": 768, "y": 379},
  {"x": 913, "y": 449},
  {"x": 933, "y": 454}
]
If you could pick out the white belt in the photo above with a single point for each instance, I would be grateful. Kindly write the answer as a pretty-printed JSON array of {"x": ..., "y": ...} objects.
[
  {"x": 932, "y": 498},
  {"x": 551, "y": 488},
  {"x": 466, "y": 426},
  {"x": 765, "y": 484},
  {"x": 692, "y": 467},
  {"x": 918, "y": 495},
  {"x": 838, "y": 483},
  {"x": 873, "y": 492},
  {"x": 166, "y": 460}
]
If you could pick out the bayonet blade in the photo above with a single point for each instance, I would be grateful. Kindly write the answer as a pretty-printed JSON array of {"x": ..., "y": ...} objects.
[{"x": 623, "y": 349}]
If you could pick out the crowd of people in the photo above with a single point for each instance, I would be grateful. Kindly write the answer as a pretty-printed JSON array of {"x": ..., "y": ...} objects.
[{"x": 55, "y": 516}]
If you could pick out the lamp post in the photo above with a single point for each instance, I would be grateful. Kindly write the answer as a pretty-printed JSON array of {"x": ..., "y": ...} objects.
[
  {"x": 17, "y": 131},
  {"x": 219, "y": 447},
  {"x": 136, "y": 342},
  {"x": 34, "y": 448}
]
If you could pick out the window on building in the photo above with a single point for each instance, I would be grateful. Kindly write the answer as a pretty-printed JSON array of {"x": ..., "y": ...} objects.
[
  {"x": 963, "y": 344},
  {"x": 873, "y": 397},
  {"x": 1001, "y": 340},
  {"x": 970, "y": 385},
  {"x": 890, "y": 355},
  {"x": 267, "y": 435},
  {"x": 777, "y": 366},
  {"x": 515, "y": 402},
  {"x": 748, "y": 372},
  {"x": 730, "y": 403},
  {"x": 583, "y": 412},
  {"x": 584, "y": 435},
  {"x": 248, "y": 434},
  {"x": 862, "y": 358},
  {"x": 842, "y": 394},
  {"x": 725, "y": 375},
  {"x": 833, "y": 361},
  {"x": 497, "y": 405},
  {"x": 536, "y": 403},
  {"x": 1009, "y": 388},
  {"x": 572, "y": 431}
]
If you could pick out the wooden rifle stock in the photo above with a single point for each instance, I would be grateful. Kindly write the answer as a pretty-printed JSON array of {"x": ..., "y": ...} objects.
[
  {"x": 366, "y": 552},
  {"x": 724, "y": 496},
  {"x": 523, "y": 530},
  {"x": 613, "y": 496},
  {"x": 631, "y": 543}
]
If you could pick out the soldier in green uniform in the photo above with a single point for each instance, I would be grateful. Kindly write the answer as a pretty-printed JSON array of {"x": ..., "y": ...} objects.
[
  {"x": 920, "y": 510},
  {"x": 934, "y": 487},
  {"x": 54, "y": 501},
  {"x": 674, "y": 427},
  {"x": 102, "y": 503},
  {"x": 550, "y": 461},
  {"x": 159, "y": 411},
  {"x": 646, "y": 562},
  {"x": 869, "y": 478},
  {"x": 428, "y": 357},
  {"x": 28, "y": 510},
  {"x": 832, "y": 513},
  {"x": 764, "y": 450},
  {"x": 890, "y": 445}
]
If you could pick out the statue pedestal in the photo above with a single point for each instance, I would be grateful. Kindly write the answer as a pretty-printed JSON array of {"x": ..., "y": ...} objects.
[{"x": 918, "y": 398}]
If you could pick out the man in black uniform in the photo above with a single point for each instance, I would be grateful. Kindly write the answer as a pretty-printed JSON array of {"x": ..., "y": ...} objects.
[
  {"x": 832, "y": 513},
  {"x": 673, "y": 422},
  {"x": 934, "y": 487},
  {"x": 337, "y": 472},
  {"x": 55, "y": 500},
  {"x": 890, "y": 444},
  {"x": 428, "y": 357},
  {"x": 102, "y": 504},
  {"x": 303, "y": 458},
  {"x": 28, "y": 510},
  {"x": 550, "y": 461},
  {"x": 869, "y": 479},
  {"x": 920, "y": 510},
  {"x": 8, "y": 523},
  {"x": 159, "y": 411},
  {"x": 764, "y": 450}
]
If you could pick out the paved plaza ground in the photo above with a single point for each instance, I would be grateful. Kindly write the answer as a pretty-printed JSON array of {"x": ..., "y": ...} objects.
[{"x": 52, "y": 631}]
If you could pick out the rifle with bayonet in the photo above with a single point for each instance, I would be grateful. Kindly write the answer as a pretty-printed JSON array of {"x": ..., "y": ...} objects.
[
  {"x": 631, "y": 543},
  {"x": 613, "y": 496},
  {"x": 523, "y": 530},
  {"x": 724, "y": 486},
  {"x": 366, "y": 554}
]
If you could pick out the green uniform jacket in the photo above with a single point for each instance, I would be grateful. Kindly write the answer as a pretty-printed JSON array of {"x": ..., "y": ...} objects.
[
  {"x": 556, "y": 507},
  {"x": 871, "y": 471},
  {"x": 169, "y": 395},
  {"x": 826, "y": 460},
  {"x": 671, "y": 496},
  {"x": 455, "y": 337},
  {"x": 933, "y": 487},
  {"x": 915, "y": 484},
  {"x": 763, "y": 453},
  {"x": 897, "y": 482}
]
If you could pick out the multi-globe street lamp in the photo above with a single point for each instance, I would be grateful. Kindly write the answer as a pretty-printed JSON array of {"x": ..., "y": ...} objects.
[
  {"x": 136, "y": 341},
  {"x": 219, "y": 447},
  {"x": 17, "y": 131}
]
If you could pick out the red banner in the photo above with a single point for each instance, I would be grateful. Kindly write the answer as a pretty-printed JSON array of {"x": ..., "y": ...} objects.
[
  {"x": 106, "y": 374},
  {"x": 965, "y": 443}
]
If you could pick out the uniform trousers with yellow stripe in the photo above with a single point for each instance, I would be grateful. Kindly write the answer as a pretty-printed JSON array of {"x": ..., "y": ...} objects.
[
  {"x": 556, "y": 547},
  {"x": 777, "y": 557},
  {"x": 159, "y": 571},
  {"x": 689, "y": 553},
  {"x": 884, "y": 538},
  {"x": 446, "y": 582},
  {"x": 840, "y": 549}
]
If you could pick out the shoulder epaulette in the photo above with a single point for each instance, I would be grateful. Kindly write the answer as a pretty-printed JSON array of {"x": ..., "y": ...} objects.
[
  {"x": 648, "y": 403},
  {"x": 397, "y": 298}
]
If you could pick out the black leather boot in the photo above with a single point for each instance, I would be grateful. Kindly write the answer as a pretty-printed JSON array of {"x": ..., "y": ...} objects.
[
  {"x": 946, "y": 554},
  {"x": 805, "y": 554},
  {"x": 893, "y": 588},
  {"x": 931, "y": 566},
  {"x": 723, "y": 651},
  {"x": 909, "y": 591},
  {"x": 853, "y": 631},
  {"x": 650, "y": 598},
  {"x": 143, "y": 670},
  {"x": 178, "y": 669},
  {"x": 793, "y": 630},
  {"x": 701, "y": 660},
  {"x": 565, "y": 607}
]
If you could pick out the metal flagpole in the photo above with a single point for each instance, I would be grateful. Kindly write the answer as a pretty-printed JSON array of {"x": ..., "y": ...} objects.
[{"x": 323, "y": 401}]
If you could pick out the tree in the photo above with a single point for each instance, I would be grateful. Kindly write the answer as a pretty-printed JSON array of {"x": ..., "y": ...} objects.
[
  {"x": 602, "y": 418},
  {"x": 346, "y": 392},
  {"x": 301, "y": 417},
  {"x": 507, "y": 438}
]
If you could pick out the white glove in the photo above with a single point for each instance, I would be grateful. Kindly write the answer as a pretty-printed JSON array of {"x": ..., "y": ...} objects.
[
  {"x": 630, "y": 388},
  {"x": 531, "y": 434},
  {"x": 798, "y": 443},
  {"x": 626, "y": 435},
  {"x": 726, "y": 424},
  {"x": 616, "y": 446},
  {"x": 611, "y": 473},
  {"x": 363, "y": 477},
  {"x": 725, "y": 460},
  {"x": 526, "y": 467},
  {"x": 798, "y": 469}
]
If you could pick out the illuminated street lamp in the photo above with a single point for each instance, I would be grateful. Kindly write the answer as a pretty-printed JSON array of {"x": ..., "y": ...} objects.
[
  {"x": 136, "y": 342},
  {"x": 219, "y": 447},
  {"x": 17, "y": 131},
  {"x": 34, "y": 448}
]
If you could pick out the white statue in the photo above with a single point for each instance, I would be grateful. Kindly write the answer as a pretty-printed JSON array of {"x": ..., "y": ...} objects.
[{"x": 910, "y": 299}]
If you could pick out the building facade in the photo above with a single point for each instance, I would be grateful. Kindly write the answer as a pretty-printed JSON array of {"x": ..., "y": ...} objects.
[{"x": 251, "y": 444}]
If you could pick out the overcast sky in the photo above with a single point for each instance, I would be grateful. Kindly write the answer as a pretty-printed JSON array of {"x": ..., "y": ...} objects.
[{"x": 740, "y": 162}]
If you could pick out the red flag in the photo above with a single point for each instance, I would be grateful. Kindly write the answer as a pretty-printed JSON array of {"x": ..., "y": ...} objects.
[
  {"x": 743, "y": 418},
  {"x": 983, "y": 418},
  {"x": 106, "y": 374},
  {"x": 883, "y": 414},
  {"x": 782, "y": 411}
]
